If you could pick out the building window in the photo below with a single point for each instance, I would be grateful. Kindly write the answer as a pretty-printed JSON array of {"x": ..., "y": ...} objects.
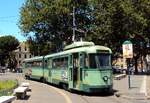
[
  {"x": 25, "y": 48},
  {"x": 19, "y": 55},
  {"x": 25, "y": 56},
  {"x": 19, "y": 62},
  {"x": 19, "y": 48}
]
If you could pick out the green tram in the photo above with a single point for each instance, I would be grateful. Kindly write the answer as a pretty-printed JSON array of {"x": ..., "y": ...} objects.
[{"x": 82, "y": 66}]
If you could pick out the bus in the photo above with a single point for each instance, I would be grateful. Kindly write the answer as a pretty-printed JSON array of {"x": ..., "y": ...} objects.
[{"x": 81, "y": 66}]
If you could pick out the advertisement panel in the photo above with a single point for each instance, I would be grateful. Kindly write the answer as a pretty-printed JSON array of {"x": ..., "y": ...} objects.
[{"x": 127, "y": 49}]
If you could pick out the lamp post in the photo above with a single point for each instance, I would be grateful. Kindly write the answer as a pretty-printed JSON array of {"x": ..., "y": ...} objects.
[
  {"x": 141, "y": 52},
  {"x": 148, "y": 56}
]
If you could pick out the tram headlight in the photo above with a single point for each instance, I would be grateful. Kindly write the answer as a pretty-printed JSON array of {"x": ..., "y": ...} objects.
[{"x": 105, "y": 78}]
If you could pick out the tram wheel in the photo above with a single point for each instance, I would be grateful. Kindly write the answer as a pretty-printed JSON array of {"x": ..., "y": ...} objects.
[
  {"x": 110, "y": 91},
  {"x": 64, "y": 86},
  {"x": 27, "y": 77},
  {"x": 43, "y": 80}
]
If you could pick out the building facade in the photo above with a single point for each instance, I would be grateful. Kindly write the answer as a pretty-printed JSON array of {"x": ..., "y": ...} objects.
[{"x": 22, "y": 53}]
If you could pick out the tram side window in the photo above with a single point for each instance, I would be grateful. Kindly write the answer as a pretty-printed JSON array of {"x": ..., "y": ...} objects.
[
  {"x": 92, "y": 61},
  {"x": 28, "y": 64},
  {"x": 65, "y": 62},
  {"x": 46, "y": 64},
  {"x": 60, "y": 63},
  {"x": 83, "y": 60},
  {"x": 34, "y": 64},
  {"x": 49, "y": 63}
]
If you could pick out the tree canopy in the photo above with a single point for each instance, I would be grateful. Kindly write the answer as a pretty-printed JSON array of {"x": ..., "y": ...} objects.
[
  {"x": 105, "y": 22},
  {"x": 7, "y": 45}
]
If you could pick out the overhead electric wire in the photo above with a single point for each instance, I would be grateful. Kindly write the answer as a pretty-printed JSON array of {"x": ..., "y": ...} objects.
[
  {"x": 9, "y": 19},
  {"x": 4, "y": 17}
]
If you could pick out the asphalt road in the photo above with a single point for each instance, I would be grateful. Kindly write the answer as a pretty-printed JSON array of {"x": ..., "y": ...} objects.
[{"x": 45, "y": 93}]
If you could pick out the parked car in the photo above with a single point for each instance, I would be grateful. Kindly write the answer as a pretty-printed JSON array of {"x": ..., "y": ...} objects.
[
  {"x": 118, "y": 70},
  {"x": 2, "y": 69},
  {"x": 18, "y": 70}
]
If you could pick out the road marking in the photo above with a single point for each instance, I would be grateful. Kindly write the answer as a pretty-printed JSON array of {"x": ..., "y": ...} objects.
[
  {"x": 143, "y": 88},
  {"x": 68, "y": 100}
]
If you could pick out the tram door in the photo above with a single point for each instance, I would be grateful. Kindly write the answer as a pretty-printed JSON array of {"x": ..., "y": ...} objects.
[
  {"x": 74, "y": 70},
  {"x": 49, "y": 68}
]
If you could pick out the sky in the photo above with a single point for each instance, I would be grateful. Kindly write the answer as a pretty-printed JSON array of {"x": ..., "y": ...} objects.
[{"x": 9, "y": 18}]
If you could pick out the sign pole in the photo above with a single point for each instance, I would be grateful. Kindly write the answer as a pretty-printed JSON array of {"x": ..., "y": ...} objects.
[
  {"x": 128, "y": 54},
  {"x": 128, "y": 68}
]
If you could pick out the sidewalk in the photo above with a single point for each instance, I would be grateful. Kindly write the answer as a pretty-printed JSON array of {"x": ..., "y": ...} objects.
[{"x": 140, "y": 87}]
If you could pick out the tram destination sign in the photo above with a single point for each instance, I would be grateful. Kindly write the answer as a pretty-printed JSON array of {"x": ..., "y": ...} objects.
[{"x": 127, "y": 47}]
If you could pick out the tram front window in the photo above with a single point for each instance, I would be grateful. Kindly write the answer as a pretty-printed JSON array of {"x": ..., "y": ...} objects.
[{"x": 99, "y": 60}]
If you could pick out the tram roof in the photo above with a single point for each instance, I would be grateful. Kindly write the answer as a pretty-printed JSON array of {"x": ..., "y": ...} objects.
[
  {"x": 88, "y": 49},
  {"x": 79, "y": 44},
  {"x": 37, "y": 58}
]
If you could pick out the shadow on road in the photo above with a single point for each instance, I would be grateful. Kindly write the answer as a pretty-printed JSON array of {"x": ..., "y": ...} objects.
[
  {"x": 102, "y": 93},
  {"x": 24, "y": 99},
  {"x": 99, "y": 94}
]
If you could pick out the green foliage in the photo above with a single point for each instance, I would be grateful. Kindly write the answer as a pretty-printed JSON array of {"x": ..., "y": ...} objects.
[
  {"x": 40, "y": 48},
  {"x": 106, "y": 22},
  {"x": 7, "y": 45},
  {"x": 8, "y": 84},
  {"x": 50, "y": 21}
]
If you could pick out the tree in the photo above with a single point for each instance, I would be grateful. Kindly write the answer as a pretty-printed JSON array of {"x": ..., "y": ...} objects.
[
  {"x": 132, "y": 23},
  {"x": 51, "y": 21},
  {"x": 119, "y": 20},
  {"x": 106, "y": 22},
  {"x": 7, "y": 45}
]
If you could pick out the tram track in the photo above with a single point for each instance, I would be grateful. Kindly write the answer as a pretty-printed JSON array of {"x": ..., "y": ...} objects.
[
  {"x": 95, "y": 98},
  {"x": 112, "y": 99},
  {"x": 116, "y": 100},
  {"x": 70, "y": 97},
  {"x": 84, "y": 99}
]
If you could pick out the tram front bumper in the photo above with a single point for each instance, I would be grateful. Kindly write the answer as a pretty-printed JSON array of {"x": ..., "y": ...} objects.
[{"x": 97, "y": 89}]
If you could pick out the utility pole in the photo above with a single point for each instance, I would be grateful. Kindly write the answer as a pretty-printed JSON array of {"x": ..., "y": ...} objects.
[{"x": 74, "y": 25}]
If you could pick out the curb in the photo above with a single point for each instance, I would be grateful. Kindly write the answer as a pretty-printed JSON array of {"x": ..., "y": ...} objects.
[
  {"x": 120, "y": 76},
  {"x": 121, "y": 95}
]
